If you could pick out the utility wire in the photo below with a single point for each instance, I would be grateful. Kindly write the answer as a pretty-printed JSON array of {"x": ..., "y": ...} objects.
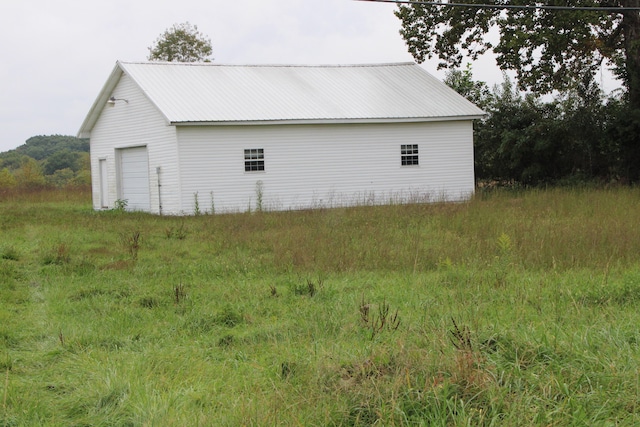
[{"x": 511, "y": 6}]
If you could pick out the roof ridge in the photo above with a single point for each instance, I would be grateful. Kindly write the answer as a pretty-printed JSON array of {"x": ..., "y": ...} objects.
[{"x": 211, "y": 64}]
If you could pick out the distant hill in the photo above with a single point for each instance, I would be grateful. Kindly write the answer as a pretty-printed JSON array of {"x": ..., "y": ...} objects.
[
  {"x": 46, "y": 160},
  {"x": 42, "y": 146}
]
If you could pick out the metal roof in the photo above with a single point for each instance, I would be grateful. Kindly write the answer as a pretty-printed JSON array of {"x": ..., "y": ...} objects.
[{"x": 211, "y": 93}]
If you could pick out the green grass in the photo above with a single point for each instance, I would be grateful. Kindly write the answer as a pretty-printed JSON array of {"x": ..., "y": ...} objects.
[{"x": 512, "y": 309}]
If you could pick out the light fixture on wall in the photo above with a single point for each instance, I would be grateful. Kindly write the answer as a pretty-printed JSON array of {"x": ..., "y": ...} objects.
[{"x": 112, "y": 101}]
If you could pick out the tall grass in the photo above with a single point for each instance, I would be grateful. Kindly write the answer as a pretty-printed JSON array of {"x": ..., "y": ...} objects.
[
  {"x": 46, "y": 194},
  {"x": 511, "y": 309}
]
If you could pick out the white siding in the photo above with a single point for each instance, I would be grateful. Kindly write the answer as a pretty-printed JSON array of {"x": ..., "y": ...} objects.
[
  {"x": 135, "y": 124},
  {"x": 324, "y": 165}
]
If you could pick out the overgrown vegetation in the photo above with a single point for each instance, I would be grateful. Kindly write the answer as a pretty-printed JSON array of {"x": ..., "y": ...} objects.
[
  {"x": 579, "y": 137},
  {"x": 516, "y": 308}
]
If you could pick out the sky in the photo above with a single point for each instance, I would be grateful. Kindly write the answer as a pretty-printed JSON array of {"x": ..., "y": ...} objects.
[{"x": 57, "y": 55}]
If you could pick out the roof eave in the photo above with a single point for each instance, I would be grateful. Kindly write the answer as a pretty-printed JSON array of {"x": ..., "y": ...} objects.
[{"x": 326, "y": 121}]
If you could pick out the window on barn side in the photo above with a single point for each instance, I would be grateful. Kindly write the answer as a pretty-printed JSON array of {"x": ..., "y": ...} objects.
[
  {"x": 409, "y": 154},
  {"x": 254, "y": 160}
]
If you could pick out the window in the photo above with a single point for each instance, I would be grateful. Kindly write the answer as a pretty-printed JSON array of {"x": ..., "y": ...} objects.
[
  {"x": 409, "y": 154},
  {"x": 254, "y": 160}
]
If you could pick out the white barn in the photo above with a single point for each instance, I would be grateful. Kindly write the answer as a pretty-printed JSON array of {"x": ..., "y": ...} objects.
[{"x": 167, "y": 136}]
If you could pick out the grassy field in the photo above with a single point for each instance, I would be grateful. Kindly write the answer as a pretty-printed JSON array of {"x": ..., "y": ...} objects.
[{"x": 517, "y": 308}]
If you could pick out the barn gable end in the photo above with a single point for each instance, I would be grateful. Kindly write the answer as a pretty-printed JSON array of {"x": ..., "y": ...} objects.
[{"x": 130, "y": 124}]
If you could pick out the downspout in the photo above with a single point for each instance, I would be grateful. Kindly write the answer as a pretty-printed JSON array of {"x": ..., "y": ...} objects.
[{"x": 159, "y": 192}]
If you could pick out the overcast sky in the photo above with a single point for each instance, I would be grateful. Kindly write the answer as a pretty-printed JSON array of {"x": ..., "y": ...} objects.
[{"x": 56, "y": 55}]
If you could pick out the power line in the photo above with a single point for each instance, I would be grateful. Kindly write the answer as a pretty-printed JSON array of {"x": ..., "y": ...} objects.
[{"x": 511, "y": 6}]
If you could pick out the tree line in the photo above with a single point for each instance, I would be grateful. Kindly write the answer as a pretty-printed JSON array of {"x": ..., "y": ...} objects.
[
  {"x": 579, "y": 136},
  {"x": 46, "y": 161}
]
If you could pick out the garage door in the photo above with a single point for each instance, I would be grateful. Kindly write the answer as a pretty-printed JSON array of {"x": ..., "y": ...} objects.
[{"x": 134, "y": 178}]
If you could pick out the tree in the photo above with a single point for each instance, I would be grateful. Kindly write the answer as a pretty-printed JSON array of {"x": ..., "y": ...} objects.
[
  {"x": 64, "y": 159},
  {"x": 462, "y": 82},
  {"x": 549, "y": 49},
  {"x": 181, "y": 43},
  {"x": 7, "y": 180},
  {"x": 30, "y": 174},
  {"x": 622, "y": 136},
  {"x": 61, "y": 177},
  {"x": 573, "y": 138}
]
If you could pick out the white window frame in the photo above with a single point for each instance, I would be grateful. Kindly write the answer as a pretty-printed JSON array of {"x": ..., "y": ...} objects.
[
  {"x": 409, "y": 155},
  {"x": 254, "y": 160}
]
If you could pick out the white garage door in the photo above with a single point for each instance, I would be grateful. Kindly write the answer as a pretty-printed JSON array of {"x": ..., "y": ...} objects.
[{"x": 134, "y": 178}]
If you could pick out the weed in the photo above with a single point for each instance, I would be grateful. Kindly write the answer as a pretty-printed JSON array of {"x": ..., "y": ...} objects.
[
  {"x": 363, "y": 414},
  {"x": 200, "y": 323},
  {"x": 87, "y": 293},
  {"x": 120, "y": 205},
  {"x": 179, "y": 232},
  {"x": 383, "y": 321},
  {"x": 6, "y": 391},
  {"x": 504, "y": 245},
  {"x": 259, "y": 196},
  {"x": 59, "y": 255},
  {"x": 9, "y": 273},
  {"x": 274, "y": 291},
  {"x": 131, "y": 242},
  {"x": 468, "y": 372},
  {"x": 63, "y": 255},
  {"x": 179, "y": 293},
  {"x": 113, "y": 398},
  {"x": 365, "y": 307},
  {"x": 503, "y": 261},
  {"x": 7, "y": 339},
  {"x": 149, "y": 302},
  {"x": 226, "y": 341},
  {"x": 213, "y": 204},
  {"x": 460, "y": 337},
  {"x": 82, "y": 267},
  {"x": 627, "y": 294},
  {"x": 310, "y": 288},
  {"x": 10, "y": 253},
  {"x": 6, "y": 363},
  {"x": 445, "y": 264},
  {"x": 196, "y": 205},
  {"x": 228, "y": 317},
  {"x": 119, "y": 265},
  {"x": 287, "y": 369}
]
